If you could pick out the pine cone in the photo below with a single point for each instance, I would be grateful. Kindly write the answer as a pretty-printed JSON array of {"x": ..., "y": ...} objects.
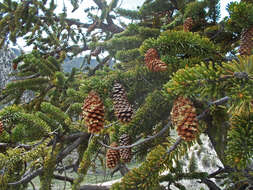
[
  {"x": 112, "y": 156},
  {"x": 188, "y": 23},
  {"x": 1, "y": 128},
  {"x": 92, "y": 27},
  {"x": 183, "y": 116},
  {"x": 93, "y": 113},
  {"x": 150, "y": 55},
  {"x": 157, "y": 65},
  {"x": 246, "y": 43},
  {"x": 126, "y": 153},
  {"x": 122, "y": 109}
]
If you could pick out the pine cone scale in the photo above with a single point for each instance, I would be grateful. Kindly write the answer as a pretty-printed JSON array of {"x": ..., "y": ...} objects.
[
  {"x": 126, "y": 153},
  {"x": 93, "y": 113},
  {"x": 122, "y": 109},
  {"x": 1, "y": 128},
  {"x": 112, "y": 156},
  {"x": 183, "y": 116}
]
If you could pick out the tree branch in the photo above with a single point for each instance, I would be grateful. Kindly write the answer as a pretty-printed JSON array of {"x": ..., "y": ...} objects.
[
  {"x": 28, "y": 178},
  {"x": 211, "y": 185},
  {"x": 64, "y": 178},
  {"x": 141, "y": 141},
  {"x": 70, "y": 148},
  {"x": 59, "y": 158}
]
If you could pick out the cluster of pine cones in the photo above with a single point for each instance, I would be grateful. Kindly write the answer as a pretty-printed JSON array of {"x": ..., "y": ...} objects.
[
  {"x": 153, "y": 62},
  {"x": 113, "y": 156},
  {"x": 94, "y": 112},
  {"x": 183, "y": 116},
  {"x": 1, "y": 128}
]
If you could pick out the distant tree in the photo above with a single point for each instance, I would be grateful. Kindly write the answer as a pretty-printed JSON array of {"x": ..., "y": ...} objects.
[{"x": 175, "y": 68}]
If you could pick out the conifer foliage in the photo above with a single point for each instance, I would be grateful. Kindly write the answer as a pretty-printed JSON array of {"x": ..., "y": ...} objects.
[{"x": 165, "y": 82}]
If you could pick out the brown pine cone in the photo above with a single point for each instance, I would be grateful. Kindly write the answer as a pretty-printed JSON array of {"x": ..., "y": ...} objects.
[
  {"x": 92, "y": 27},
  {"x": 150, "y": 55},
  {"x": 188, "y": 23},
  {"x": 156, "y": 65},
  {"x": 122, "y": 109},
  {"x": 125, "y": 153},
  {"x": 93, "y": 113},
  {"x": 112, "y": 156},
  {"x": 183, "y": 116},
  {"x": 246, "y": 43},
  {"x": 1, "y": 128}
]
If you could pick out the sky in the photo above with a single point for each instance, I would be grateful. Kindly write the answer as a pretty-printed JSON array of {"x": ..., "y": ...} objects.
[{"x": 127, "y": 4}]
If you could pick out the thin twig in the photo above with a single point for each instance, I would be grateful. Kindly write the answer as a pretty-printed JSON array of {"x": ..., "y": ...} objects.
[
  {"x": 64, "y": 178},
  {"x": 32, "y": 185},
  {"x": 141, "y": 141}
]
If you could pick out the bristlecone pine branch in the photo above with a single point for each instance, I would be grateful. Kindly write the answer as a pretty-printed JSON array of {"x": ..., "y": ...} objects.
[
  {"x": 112, "y": 156},
  {"x": 183, "y": 116},
  {"x": 188, "y": 23},
  {"x": 246, "y": 43},
  {"x": 122, "y": 109},
  {"x": 93, "y": 113},
  {"x": 126, "y": 153},
  {"x": 153, "y": 62},
  {"x": 1, "y": 128}
]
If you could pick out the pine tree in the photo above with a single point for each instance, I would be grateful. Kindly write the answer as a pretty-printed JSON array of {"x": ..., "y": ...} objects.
[{"x": 200, "y": 91}]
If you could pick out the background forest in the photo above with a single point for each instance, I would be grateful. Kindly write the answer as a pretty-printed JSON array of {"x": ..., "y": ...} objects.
[{"x": 171, "y": 75}]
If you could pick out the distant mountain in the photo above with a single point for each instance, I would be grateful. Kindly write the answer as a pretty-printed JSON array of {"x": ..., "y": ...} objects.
[
  {"x": 68, "y": 63},
  {"x": 76, "y": 63}
]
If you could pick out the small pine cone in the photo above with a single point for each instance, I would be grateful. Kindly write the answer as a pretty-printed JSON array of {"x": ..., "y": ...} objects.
[
  {"x": 246, "y": 43},
  {"x": 93, "y": 113},
  {"x": 112, "y": 156},
  {"x": 1, "y": 128},
  {"x": 183, "y": 116},
  {"x": 188, "y": 23},
  {"x": 92, "y": 27},
  {"x": 150, "y": 55},
  {"x": 156, "y": 65},
  {"x": 122, "y": 109},
  {"x": 14, "y": 66},
  {"x": 97, "y": 51},
  {"x": 125, "y": 153}
]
